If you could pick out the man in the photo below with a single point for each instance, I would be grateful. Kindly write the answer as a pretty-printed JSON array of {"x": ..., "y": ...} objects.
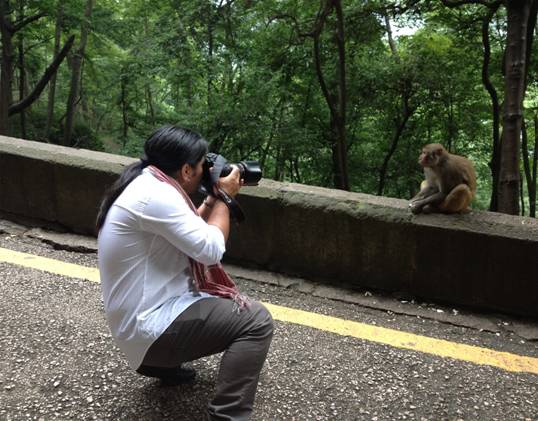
[{"x": 165, "y": 300}]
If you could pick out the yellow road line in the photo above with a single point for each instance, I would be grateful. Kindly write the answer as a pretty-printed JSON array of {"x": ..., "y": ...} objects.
[
  {"x": 391, "y": 337},
  {"x": 49, "y": 265},
  {"x": 404, "y": 340}
]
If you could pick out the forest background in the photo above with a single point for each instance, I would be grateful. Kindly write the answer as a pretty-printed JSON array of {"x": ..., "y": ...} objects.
[{"x": 328, "y": 93}]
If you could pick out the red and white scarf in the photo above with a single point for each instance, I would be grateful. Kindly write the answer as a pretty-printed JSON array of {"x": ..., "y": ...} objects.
[{"x": 211, "y": 279}]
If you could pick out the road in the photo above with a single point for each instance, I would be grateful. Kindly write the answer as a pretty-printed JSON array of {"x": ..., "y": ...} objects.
[{"x": 338, "y": 355}]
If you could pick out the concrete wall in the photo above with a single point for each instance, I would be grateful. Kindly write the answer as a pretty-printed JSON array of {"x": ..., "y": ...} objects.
[{"x": 483, "y": 260}]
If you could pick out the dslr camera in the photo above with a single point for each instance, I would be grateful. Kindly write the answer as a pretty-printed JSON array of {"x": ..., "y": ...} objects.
[{"x": 215, "y": 167}]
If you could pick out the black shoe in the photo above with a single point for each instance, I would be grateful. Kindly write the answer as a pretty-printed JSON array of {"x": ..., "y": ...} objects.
[
  {"x": 170, "y": 376},
  {"x": 178, "y": 375}
]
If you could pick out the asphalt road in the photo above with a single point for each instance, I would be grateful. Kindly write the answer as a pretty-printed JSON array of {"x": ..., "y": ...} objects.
[{"x": 59, "y": 361}]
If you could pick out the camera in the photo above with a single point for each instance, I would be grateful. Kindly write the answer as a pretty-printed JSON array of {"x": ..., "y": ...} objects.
[{"x": 216, "y": 166}]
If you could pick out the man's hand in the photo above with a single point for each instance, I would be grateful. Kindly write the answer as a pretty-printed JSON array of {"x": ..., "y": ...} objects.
[
  {"x": 231, "y": 183},
  {"x": 215, "y": 211}
]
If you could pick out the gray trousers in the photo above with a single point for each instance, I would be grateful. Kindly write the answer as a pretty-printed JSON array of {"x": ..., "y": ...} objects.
[{"x": 210, "y": 326}]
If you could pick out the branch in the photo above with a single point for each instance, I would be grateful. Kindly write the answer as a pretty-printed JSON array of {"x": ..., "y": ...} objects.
[
  {"x": 26, "y": 102},
  {"x": 322, "y": 16},
  {"x": 341, "y": 66},
  {"x": 294, "y": 21},
  {"x": 457, "y": 3},
  {"x": 3, "y": 21},
  {"x": 397, "y": 9},
  {"x": 21, "y": 24},
  {"x": 392, "y": 44},
  {"x": 323, "y": 13},
  {"x": 223, "y": 4},
  {"x": 487, "y": 55}
]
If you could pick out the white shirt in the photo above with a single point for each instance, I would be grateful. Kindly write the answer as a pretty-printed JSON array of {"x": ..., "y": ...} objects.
[{"x": 143, "y": 250}]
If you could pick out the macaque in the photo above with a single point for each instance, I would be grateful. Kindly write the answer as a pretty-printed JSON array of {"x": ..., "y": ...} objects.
[{"x": 450, "y": 182}]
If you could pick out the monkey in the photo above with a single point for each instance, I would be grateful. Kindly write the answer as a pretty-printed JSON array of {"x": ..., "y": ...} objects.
[{"x": 449, "y": 185}]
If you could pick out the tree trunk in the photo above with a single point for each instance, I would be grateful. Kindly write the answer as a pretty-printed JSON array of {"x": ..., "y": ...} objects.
[
  {"x": 148, "y": 96},
  {"x": 336, "y": 103},
  {"x": 76, "y": 75},
  {"x": 530, "y": 173},
  {"x": 407, "y": 113},
  {"x": 52, "y": 84},
  {"x": 392, "y": 44},
  {"x": 22, "y": 72},
  {"x": 6, "y": 73},
  {"x": 149, "y": 104},
  {"x": 279, "y": 164},
  {"x": 276, "y": 121},
  {"x": 532, "y": 185},
  {"x": 495, "y": 161},
  {"x": 518, "y": 12},
  {"x": 295, "y": 169},
  {"x": 521, "y": 195},
  {"x": 38, "y": 88},
  {"x": 530, "y": 166},
  {"x": 526, "y": 160},
  {"x": 343, "y": 173},
  {"x": 123, "y": 100},
  {"x": 7, "y": 30},
  {"x": 210, "y": 25},
  {"x": 451, "y": 125}
]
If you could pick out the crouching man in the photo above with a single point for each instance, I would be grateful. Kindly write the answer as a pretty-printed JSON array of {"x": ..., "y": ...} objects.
[{"x": 167, "y": 299}]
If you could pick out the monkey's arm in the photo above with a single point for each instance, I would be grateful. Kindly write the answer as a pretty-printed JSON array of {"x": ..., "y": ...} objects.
[
  {"x": 435, "y": 198},
  {"x": 425, "y": 191}
]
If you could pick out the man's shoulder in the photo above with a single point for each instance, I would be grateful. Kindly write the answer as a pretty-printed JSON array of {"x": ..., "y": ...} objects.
[
  {"x": 156, "y": 194},
  {"x": 147, "y": 185},
  {"x": 145, "y": 189}
]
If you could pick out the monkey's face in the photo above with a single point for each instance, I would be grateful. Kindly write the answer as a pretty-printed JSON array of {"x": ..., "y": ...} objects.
[{"x": 428, "y": 158}]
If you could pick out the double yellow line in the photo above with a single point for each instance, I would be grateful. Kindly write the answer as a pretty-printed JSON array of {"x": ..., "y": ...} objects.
[{"x": 391, "y": 337}]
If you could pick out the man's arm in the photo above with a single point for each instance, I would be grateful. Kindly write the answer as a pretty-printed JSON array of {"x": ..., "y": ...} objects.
[
  {"x": 214, "y": 211},
  {"x": 219, "y": 215},
  {"x": 205, "y": 208}
]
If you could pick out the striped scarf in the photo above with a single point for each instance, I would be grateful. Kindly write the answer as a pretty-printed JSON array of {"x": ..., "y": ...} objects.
[{"x": 211, "y": 279}]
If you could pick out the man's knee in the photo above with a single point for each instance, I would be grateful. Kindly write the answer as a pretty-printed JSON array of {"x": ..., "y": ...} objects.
[{"x": 263, "y": 319}]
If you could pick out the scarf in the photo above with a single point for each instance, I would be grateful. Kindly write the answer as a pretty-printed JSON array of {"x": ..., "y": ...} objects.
[{"x": 211, "y": 279}]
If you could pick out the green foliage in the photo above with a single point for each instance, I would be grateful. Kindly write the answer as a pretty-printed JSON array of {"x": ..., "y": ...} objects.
[{"x": 243, "y": 74}]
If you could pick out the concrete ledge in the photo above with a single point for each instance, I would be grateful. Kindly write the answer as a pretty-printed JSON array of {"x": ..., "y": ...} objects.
[
  {"x": 54, "y": 183},
  {"x": 483, "y": 260}
]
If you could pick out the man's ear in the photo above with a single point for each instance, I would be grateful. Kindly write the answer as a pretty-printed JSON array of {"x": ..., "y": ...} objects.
[{"x": 185, "y": 172}]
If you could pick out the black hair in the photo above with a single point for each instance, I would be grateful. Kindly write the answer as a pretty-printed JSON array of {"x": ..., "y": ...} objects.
[{"x": 167, "y": 148}]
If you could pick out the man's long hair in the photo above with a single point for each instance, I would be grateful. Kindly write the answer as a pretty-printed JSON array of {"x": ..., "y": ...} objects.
[{"x": 167, "y": 148}]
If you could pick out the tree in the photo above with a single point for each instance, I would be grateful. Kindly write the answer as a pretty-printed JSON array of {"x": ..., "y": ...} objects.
[
  {"x": 298, "y": 85},
  {"x": 530, "y": 165},
  {"x": 495, "y": 162},
  {"x": 406, "y": 92},
  {"x": 515, "y": 68},
  {"x": 52, "y": 84},
  {"x": 333, "y": 87},
  {"x": 8, "y": 28},
  {"x": 518, "y": 15},
  {"x": 337, "y": 102},
  {"x": 76, "y": 68}
]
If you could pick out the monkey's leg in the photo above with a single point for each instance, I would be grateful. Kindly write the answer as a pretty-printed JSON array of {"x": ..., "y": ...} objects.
[
  {"x": 425, "y": 190},
  {"x": 430, "y": 209},
  {"x": 457, "y": 200}
]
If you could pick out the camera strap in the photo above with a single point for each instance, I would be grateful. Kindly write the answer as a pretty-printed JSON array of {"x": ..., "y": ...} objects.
[
  {"x": 236, "y": 213},
  {"x": 219, "y": 162}
]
